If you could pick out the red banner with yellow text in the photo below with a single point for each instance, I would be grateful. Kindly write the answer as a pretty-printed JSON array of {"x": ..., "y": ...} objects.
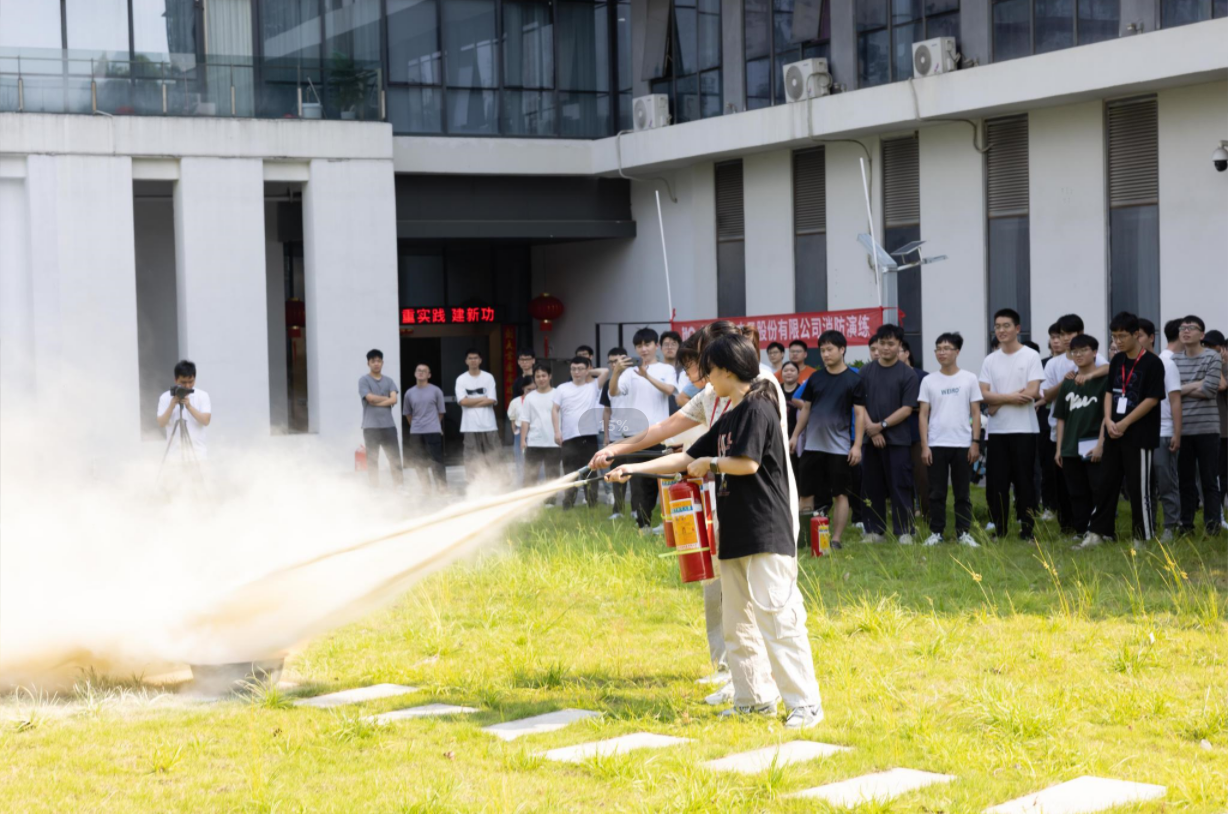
[{"x": 857, "y": 325}]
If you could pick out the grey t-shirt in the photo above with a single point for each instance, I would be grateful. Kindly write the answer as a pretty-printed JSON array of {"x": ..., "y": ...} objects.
[
  {"x": 376, "y": 418},
  {"x": 423, "y": 406},
  {"x": 887, "y": 390}
]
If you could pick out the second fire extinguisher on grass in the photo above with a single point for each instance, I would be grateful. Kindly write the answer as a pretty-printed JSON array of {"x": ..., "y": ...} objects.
[{"x": 689, "y": 525}]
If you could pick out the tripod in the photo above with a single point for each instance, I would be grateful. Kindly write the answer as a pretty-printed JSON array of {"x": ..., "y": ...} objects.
[{"x": 187, "y": 452}]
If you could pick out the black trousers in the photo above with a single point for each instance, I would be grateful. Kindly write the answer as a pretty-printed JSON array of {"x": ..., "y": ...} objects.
[
  {"x": 537, "y": 457},
  {"x": 577, "y": 452},
  {"x": 1081, "y": 479},
  {"x": 644, "y": 493},
  {"x": 384, "y": 438},
  {"x": 426, "y": 452},
  {"x": 1199, "y": 456},
  {"x": 1012, "y": 462},
  {"x": 1134, "y": 465},
  {"x": 1054, "y": 494},
  {"x": 887, "y": 472},
  {"x": 857, "y": 498},
  {"x": 952, "y": 460}
]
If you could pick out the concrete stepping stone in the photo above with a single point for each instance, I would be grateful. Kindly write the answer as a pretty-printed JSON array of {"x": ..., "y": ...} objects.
[
  {"x": 760, "y": 759},
  {"x": 426, "y": 711},
  {"x": 880, "y": 786},
  {"x": 354, "y": 696},
  {"x": 549, "y": 722},
  {"x": 613, "y": 746},
  {"x": 1081, "y": 796}
]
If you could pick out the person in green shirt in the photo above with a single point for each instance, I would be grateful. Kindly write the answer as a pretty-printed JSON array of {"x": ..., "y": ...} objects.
[{"x": 1079, "y": 410}]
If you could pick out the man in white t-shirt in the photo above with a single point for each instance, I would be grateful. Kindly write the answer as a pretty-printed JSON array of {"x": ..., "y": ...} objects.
[
  {"x": 477, "y": 396},
  {"x": 1061, "y": 367},
  {"x": 193, "y": 407},
  {"x": 648, "y": 386},
  {"x": 1010, "y": 384},
  {"x": 950, "y": 425},
  {"x": 575, "y": 420},
  {"x": 1167, "y": 453},
  {"x": 537, "y": 436}
]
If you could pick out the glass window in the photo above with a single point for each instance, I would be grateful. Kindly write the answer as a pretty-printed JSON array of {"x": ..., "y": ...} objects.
[
  {"x": 413, "y": 42},
  {"x": 584, "y": 46},
  {"x": 710, "y": 93},
  {"x": 694, "y": 48},
  {"x": 1054, "y": 24},
  {"x": 30, "y": 25},
  {"x": 469, "y": 28},
  {"x": 757, "y": 31},
  {"x": 528, "y": 45},
  {"x": 1134, "y": 260},
  {"x": 884, "y": 41},
  {"x": 625, "y": 72},
  {"x": 1099, "y": 20},
  {"x": 769, "y": 31},
  {"x": 902, "y": 38},
  {"x": 758, "y": 84},
  {"x": 415, "y": 110},
  {"x": 686, "y": 101},
  {"x": 161, "y": 27},
  {"x": 472, "y": 112},
  {"x": 873, "y": 58},
  {"x": 527, "y": 113},
  {"x": 709, "y": 34},
  {"x": 584, "y": 115},
  {"x": 351, "y": 28},
  {"x": 810, "y": 273},
  {"x": 1010, "y": 275},
  {"x": 289, "y": 32},
  {"x": 870, "y": 14},
  {"x": 1012, "y": 31},
  {"x": 97, "y": 25}
]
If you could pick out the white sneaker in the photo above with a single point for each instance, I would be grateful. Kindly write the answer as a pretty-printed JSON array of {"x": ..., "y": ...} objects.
[
  {"x": 1223, "y": 524},
  {"x": 871, "y": 538},
  {"x": 722, "y": 696},
  {"x": 990, "y": 527},
  {"x": 659, "y": 529},
  {"x": 616, "y": 516},
  {"x": 804, "y": 717},
  {"x": 1046, "y": 515},
  {"x": 933, "y": 539},
  {"x": 905, "y": 539},
  {"x": 967, "y": 539},
  {"x": 859, "y": 526},
  {"x": 719, "y": 677},
  {"x": 1089, "y": 541}
]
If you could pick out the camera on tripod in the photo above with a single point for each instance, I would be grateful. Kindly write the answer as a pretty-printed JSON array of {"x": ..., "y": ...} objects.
[{"x": 179, "y": 393}]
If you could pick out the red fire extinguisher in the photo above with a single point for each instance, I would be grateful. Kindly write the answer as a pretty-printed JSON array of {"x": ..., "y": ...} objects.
[
  {"x": 820, "y": 536},
  {"x": 692, "y": 532},
  {"x": 360, "y": 458}
]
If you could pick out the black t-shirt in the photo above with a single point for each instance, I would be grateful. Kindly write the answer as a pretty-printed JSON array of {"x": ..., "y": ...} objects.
[
  {"x": 790, "y": 410},
  {"x": 1140, "y": 378},
  {"x": 832, "y": 397},
  {"x": 887, "y": 390},
  {"x": 754, "y": 509}
]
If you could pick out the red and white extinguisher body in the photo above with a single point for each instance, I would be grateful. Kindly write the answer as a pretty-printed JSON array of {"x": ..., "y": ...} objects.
[
  {"x": 820, "y": 536},
  {"x": 691, "y": 537},
  {"x": 360, "y": 458}
]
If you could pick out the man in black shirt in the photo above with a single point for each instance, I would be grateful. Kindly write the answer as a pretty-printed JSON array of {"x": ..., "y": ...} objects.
[
  {"x": 1132, "y": 432},
  {"x": 891, "y": 396}
]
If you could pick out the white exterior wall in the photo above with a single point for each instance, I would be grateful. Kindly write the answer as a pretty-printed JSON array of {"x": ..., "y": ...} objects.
[
  {"x": 767, "y": 198},
  {"x": 1193, "y": 204},
  {"x": 1068, "y": 218},
  {"x": 16, "y": 296},
  {"x": 83, "y": 272},
  {"x": 624, "y": 280},
  {"x": 953, "y": 223},
  {"x": 850, "y": 279},
  {"x": 157, "y": 309},
  {"x": 220, "y": 277},
  {"x": 350, "y": 262}
]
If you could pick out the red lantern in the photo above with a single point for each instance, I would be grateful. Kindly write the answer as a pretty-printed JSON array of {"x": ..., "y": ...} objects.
[
  {"x": 296, "y": 313},
  {"x": 545, "y": 309}
]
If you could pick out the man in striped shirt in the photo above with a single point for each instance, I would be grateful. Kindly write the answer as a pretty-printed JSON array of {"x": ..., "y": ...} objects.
[{"x": 1199, "y": 367}]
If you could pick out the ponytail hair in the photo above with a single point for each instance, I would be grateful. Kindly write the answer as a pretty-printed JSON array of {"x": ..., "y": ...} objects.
[{"x": 735, "y": 353}]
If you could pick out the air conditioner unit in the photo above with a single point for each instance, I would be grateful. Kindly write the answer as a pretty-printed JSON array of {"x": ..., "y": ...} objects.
[
  {"x": 935, "y": 56},
  {"x": 651, "y": 111},
  {"x": 807, "y": 79}
]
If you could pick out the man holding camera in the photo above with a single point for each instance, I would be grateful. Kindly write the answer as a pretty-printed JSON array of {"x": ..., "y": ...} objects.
[{"x": 183, "y": 402}]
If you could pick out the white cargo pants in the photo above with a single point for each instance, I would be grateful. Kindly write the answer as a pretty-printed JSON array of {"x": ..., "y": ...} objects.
[{"x": 765, "y": 632}]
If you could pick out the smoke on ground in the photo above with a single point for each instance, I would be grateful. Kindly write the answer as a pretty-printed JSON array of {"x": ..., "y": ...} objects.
[{"x": 100, "y": 567}]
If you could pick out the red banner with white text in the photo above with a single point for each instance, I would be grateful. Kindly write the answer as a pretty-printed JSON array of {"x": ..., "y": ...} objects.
[{"x": 857, "y": 325}]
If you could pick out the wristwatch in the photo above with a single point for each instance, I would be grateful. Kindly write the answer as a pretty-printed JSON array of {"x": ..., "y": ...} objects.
[
  {"x": 883, "y": 424},
  {"x": 716, "y": 470}
]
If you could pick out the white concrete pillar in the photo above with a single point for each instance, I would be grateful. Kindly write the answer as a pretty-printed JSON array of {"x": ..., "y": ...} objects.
[
  {"x": 1067, "y": 218},
  {"x": 767, "y": 198},
  {"x": 83, "y": 294},
  {"x": 16, "y": 294},
  {"x": 220, "y": 284},
  {"x": 350, "y": 248},
  {"x": 1193, "y": 204},
  {"x": 953, "y": 291},
  {"x": 850, "y": 281}
]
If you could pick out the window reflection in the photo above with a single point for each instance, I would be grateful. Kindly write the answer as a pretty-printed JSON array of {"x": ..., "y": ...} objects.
[{"x": 1050, "y": 25}]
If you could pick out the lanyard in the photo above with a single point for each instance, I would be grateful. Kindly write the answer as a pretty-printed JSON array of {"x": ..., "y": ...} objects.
[
  {"x": 1126, "y": 377},
  {"x": 714, "y": 418}
]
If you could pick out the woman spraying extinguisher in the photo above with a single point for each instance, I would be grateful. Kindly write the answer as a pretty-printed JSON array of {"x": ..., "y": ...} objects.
[{"x": 762, "y": 605}]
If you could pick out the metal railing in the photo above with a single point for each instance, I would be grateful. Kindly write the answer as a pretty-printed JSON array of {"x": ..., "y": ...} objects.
[{"x": 181, "y": 85}]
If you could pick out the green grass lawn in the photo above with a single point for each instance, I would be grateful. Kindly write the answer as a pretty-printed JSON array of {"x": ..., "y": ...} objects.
[{"x": 1013, "y": 667}]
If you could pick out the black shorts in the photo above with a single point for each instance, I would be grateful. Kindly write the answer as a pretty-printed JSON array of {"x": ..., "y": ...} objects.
[{"x": 825, "y": 475}]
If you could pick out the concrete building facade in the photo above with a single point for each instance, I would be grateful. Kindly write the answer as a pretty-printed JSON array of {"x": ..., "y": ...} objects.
[{"x": 276, "y": 251}]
